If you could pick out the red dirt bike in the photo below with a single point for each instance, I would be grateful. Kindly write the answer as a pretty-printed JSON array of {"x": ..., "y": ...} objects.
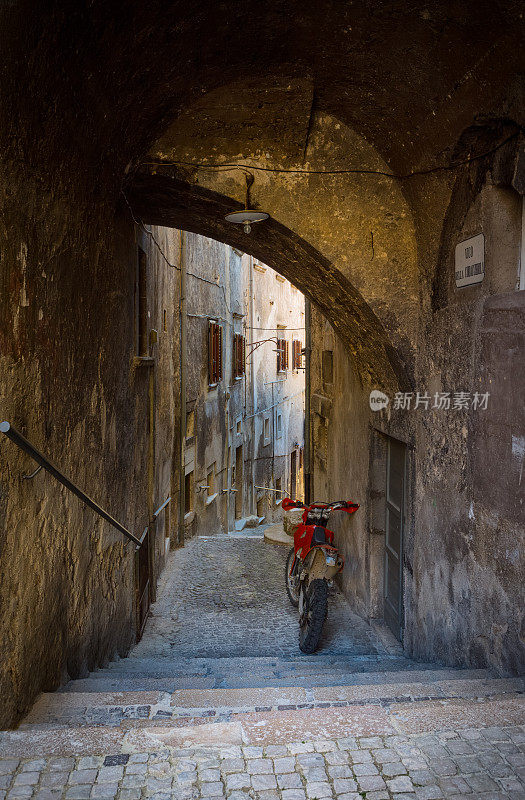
[{"x": 311, "y": 565}]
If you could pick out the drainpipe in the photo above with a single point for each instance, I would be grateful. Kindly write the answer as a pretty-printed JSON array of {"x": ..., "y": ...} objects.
[
  {"x": 253, "y": 502},
  {"x": 521, "y": 276},
  {"x": 308, "y": 477},
  {"x": 182, "y": 367}
]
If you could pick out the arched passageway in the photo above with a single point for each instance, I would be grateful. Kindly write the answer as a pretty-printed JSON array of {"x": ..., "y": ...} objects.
[
  {"x": 103, "y": 102},
  {"x": 169, "y": 202}
]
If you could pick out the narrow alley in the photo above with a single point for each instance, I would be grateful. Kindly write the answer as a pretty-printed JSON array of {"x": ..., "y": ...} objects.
[{"x": 262, "y": 427}]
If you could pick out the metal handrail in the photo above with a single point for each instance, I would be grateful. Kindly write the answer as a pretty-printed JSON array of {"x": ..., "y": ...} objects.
[
  {"x": 161, "y": 508},
  {"x": 21, "y": 442}
]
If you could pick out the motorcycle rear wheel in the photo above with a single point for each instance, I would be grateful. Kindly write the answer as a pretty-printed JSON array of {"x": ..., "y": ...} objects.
[
  {"x": 292, "y": 583},
  {"x": 314, "y": 616}
]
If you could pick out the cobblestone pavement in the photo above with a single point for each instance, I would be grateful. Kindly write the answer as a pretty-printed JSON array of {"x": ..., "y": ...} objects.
[
  {"x": 225, "y": 596},
  {"x": 217, "y": 702},
  {"x": 488, "y": 763}
]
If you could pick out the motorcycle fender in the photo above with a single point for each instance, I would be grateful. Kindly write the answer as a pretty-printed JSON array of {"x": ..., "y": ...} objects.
[{"x": 317, "y": 566}]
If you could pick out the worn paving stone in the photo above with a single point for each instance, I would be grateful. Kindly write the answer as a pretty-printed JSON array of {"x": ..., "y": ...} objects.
[
  {"x": 204, "y": 772},
  {"x": 256, "y": 617},
  {"x": 423, "y": 750}
]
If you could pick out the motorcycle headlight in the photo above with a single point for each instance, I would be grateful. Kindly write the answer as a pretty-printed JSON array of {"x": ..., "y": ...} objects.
[{"x": 330, "y": 560}]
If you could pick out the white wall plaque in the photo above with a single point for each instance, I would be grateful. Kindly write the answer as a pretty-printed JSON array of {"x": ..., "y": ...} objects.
[{"x": 470, "y": 261}]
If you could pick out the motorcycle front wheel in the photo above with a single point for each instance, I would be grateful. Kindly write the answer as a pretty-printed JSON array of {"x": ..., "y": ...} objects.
[
  {"x": 292, "y": 581},
  {"x": 313, "y": 616}
]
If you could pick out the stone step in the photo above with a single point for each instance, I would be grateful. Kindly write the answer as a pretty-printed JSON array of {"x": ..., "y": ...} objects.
[
  {"x": 267, "y": 727},
  {"x": 176, "y": 666},
  {"x": 251, "y": 678},
  {"x": 114, "y": 708}
]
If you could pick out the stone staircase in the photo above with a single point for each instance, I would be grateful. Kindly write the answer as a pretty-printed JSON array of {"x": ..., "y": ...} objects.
[
  {"x": 169, "y": 702},
  {"x": 194, "y": 685}
]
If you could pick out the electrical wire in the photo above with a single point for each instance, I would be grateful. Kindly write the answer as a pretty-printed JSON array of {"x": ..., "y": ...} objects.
[
  {"x": 157, "y": 244},
  {"x": 283, "y": 329},
  {"x": 352, "y": 171}
]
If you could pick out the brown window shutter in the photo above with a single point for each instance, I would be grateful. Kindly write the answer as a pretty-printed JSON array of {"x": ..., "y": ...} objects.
[
  {"x": 285, "y": 351},
  {"x": 210, "y": 352},
  {"x": 235, "y": 355},
  {"x": 219, "y": 354},
  {"x": 238, "y": 355}
]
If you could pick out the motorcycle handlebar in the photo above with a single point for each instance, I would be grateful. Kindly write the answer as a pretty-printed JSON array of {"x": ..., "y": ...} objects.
[{"x": 337, "y": 505}]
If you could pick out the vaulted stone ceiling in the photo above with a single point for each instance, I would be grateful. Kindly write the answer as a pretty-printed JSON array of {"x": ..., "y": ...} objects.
[
  {"x": 393, "y": 71},
  {"x": 100, "y": 92}
]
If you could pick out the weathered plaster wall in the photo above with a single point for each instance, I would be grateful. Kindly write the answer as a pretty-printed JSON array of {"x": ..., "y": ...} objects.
[
  {"x": 468, "y": 601},
  {"x": 163, "y": 398},
  {"x": 340, "y": 435},
  {"x": 67, "y": 383},
  {"x": 278, "y": 311}
]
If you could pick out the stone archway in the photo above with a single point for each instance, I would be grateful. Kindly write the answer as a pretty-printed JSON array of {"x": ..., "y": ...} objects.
[{"x": 160, "y": 200}]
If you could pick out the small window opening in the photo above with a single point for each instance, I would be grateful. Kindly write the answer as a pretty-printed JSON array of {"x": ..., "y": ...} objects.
[
  {"x": 328, "y": 366},
  {"x": 190, "y": 425},
  {"x": 282, "y": 355},
  {"x": 210, "y": 480},
  {"x": 141, "y": 296},
  {"x": 188, "y": 493}
]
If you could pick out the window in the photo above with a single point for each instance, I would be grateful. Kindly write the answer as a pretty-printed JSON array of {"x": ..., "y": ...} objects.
[
  {"x": 190, "y": 424},
  {"x": 214, "y": 353},
  {"x": 238, "y": 355},
  {"x": 239, "y": 427},
  {"x": 282, "y": 355},
  {"x": 266, "y": 430},
  {"x": 279, "y": 425},
  {"x": 328, "y": 366},
  {"x": 210, "y": 481},
  {"x": 297, "y": 354},
  {"x": 188, "y": 493},
  {"x": 141, "y": 304}
]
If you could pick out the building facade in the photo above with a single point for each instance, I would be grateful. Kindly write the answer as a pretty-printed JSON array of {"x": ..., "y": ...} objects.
[{"x": 244, "y": 389}]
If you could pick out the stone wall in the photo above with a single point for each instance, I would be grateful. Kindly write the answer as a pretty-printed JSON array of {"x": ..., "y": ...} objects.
[
  {"x": 463, "y": 538},
  {"x": 468, "y": 599},
  {"x": 69, "y": 383}
]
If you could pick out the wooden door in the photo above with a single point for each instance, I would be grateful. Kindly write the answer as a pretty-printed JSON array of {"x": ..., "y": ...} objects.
[
  {"x": 395, "y": 513},
  {"x": 238, "y": 481},
  {"x": 143, "y": 584},
  {"x": 293, "y": 474}
]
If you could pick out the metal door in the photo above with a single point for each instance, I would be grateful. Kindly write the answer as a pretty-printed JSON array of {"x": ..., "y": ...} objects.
[{"x": 394, "y": 522}]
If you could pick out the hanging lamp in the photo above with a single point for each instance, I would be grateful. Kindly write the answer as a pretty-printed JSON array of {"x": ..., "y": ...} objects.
[{"x": 248, "y": 215}]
